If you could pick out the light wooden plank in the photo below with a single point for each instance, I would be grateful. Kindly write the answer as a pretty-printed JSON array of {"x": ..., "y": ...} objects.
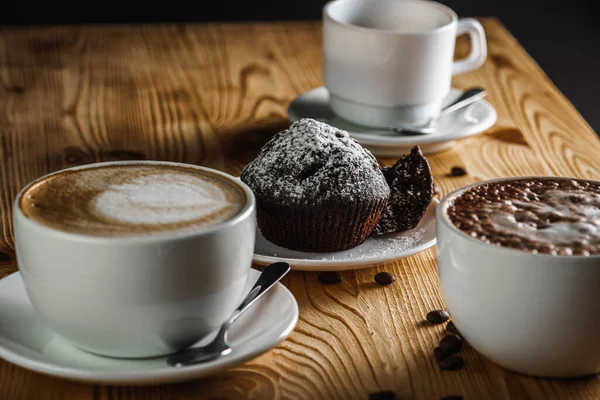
[{"x": 212, "y": 94}]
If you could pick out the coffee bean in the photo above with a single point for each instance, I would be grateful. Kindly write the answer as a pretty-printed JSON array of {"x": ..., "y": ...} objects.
[
  {"x": 384, "y": 278},
  {"x": 453, "y": 397},
  {"x": 451, "y": 328},
  {"x": 451, "y": 344},
  {"x": 438, "y": 316},
  {"x": 4, "y": 257},
  {"x": 74, "y": 155},
  {"x": 458, "y": 171},
  {"x": 438, "y": 353},
  {"x": 383, "y": 395},
  {"x": 126, "y": 155},
  {"x": 16, "y": 89},
  {"x": 452, "y": 362},
  {"x": 330, "y": 277}
]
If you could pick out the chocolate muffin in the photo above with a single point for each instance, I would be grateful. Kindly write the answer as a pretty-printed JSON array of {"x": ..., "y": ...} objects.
[{"x": 317, "y": 189}]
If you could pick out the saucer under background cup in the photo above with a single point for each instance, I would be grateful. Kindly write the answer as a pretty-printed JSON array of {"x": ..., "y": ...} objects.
[
  {"x": 449, "y": 128},
  {"x": 26, "y": 341}
]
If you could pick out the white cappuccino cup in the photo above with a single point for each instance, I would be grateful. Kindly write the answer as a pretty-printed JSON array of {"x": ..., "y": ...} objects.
[
  {"x": 388, "y": 62},
  {"x": 135, "y": 295}
]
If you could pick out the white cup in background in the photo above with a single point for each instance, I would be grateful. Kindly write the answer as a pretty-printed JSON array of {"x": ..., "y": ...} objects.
[{"x": 389, "y": 62}]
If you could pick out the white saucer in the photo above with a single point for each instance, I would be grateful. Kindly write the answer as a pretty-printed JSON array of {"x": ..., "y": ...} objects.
[
  {"x": 457, "y": 125},
  {"x": 27, "y": 342},
  {"x": 374, "y": 251}
]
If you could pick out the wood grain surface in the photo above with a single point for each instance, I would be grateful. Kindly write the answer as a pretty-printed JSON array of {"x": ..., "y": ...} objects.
[{"x": 212, "y": 95}]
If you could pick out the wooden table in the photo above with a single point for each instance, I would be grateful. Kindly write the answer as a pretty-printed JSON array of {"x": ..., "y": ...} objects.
[{"x": 212, "y": 95}]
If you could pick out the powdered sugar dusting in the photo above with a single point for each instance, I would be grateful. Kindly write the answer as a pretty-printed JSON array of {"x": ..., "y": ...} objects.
[
  {"x": 312, "y": 161},
  {"x": 389, "y": 244},
  {"x": 161, "y": 199}
]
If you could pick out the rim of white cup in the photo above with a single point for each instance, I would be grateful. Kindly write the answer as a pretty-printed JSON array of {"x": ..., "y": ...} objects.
[
  {"x": 442, "y": 216},
  {"x": 429, "y": 3},
  {"x": 163, "y": 237}
]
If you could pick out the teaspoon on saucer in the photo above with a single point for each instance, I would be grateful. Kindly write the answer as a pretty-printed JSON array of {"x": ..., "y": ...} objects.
[
  {"x": 468, "y": 97},
  {"x": 219, "y": 346}
]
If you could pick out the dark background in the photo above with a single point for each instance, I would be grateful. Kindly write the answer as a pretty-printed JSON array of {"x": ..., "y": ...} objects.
[{"x": 562, "y": 36}]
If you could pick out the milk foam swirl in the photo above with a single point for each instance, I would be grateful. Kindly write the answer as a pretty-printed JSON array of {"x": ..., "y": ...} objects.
[
  {"x": 132, "y": 199},
  {"x": 161, "y": 199}
]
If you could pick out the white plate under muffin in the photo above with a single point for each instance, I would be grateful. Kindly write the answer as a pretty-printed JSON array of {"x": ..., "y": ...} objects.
[{"x": 374, "y": 251}]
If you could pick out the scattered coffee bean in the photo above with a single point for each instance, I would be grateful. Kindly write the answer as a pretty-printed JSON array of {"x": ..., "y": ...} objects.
[
  {"x": 452, "y": 362},
  {"x": 438, "y": 316},
  {"x": 384, "y": 278},
  {"x": 451, "y": 328},
  {"x": 16, "y": 89},
  {"x": 453, "y": 397},
  {"x": 4, "y": 257},
  {"x": 125, "y": 155},
  {"x": 438, "y": 353},
  {"x": 74, "y": 155},
  {"x": 451, "y": 344},
  {"x": 383, "y": 395},
  {"x": 330, "y": 277},
  {"x": 458, "y": 171}
]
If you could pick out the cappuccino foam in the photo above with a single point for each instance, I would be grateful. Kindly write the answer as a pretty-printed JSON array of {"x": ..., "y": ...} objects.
[{"x": 132, "y": 199}]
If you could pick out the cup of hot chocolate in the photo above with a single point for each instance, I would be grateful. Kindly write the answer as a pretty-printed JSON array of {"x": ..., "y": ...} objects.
[
  {"x": 134, "y": 258},
  {"x": 519, "y": 265}
]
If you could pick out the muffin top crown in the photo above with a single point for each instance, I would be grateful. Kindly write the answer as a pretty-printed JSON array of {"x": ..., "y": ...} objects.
[{"x": 312, "y": 161}]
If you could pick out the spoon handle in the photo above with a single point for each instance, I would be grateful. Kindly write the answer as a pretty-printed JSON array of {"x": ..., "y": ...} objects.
[
  {"x": 469, "y": 96},
  {"x": 270, "y": 276},
  {"x": 218, "y": 347}
]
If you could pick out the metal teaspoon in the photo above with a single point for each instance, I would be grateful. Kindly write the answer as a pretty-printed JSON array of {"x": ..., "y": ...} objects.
[
  {"x": 219, "y": 347},
  {"x": 469, "y": 96}
]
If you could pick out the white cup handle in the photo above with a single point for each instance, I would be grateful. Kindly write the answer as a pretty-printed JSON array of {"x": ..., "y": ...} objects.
[{"x": 478, "y": 53}]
